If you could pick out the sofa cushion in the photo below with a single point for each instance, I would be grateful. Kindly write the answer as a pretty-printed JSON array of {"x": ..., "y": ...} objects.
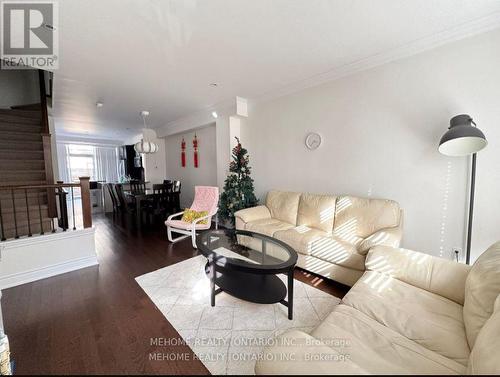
[
  {"x": 484, "y": 356},
  {"x": 283, "y": 205},
  {"x": 310, "y": 241},
  {"x": 358, "y": 218},
  {"x": 316, "y": 211},
  {"x": 378, "y": 349},
  {"x": 334, "y": 250},
  {"x": 481, "y": 290},
  {"x": 430, "y": 320},
  {"x": 301, "y": 238},
  {"x": 267, "y": 226},
  {"x": 303, "y": 346}
]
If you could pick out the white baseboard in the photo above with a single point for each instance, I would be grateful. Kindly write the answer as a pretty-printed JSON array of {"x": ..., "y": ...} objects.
[{"x": 47, "y": 272}]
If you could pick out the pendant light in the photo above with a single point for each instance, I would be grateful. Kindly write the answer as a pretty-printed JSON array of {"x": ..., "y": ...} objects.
[{"x": 145, "y": 147}]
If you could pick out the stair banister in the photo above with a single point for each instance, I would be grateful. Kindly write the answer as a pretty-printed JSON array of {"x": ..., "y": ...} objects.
[
  {"x": 47, "y": 145},
  {"x": 86, "y": 204},
  {"x": 31, "y": 214}
]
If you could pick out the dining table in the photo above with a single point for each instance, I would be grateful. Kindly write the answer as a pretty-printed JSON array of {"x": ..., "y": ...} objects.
[{"x": 140, "y": 196}]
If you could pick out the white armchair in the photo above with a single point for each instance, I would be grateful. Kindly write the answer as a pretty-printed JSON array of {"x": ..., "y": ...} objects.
[{"x": 206, "y": 198}]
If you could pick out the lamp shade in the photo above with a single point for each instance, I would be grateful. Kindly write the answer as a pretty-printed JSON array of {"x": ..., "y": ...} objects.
[
  {"x": 145, "y": 147},
  {"x": 462, "y": 138}
]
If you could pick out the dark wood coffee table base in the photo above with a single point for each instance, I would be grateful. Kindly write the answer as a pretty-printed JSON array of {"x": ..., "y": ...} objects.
[{"x": 258, "y": 288}]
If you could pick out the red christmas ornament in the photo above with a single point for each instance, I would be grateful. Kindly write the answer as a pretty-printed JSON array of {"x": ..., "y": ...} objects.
[
  {"x": 183, "y": 153},
  {"x": 195, "y": 147}
]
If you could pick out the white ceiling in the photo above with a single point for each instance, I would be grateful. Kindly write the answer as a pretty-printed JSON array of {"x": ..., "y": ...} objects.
[{"x": 161, "y": 55}]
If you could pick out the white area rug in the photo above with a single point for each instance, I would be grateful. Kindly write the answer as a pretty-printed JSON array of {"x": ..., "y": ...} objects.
[{"x": 229, "y": 337}]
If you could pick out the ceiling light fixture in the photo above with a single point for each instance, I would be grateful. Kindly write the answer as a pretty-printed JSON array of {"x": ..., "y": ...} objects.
[
  {"x": 99, "y": 104},
  {"x": 214, "y": 114},
  {"x": 214, "y": 85},
  {"x": 145, "y": 147}
]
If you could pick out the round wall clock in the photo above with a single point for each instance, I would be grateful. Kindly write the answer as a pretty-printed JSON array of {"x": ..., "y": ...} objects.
[{"x": 313, "y": 140}]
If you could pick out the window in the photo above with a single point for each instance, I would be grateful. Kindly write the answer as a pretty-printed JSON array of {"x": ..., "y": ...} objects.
[
  {"x": 99, "y": 162},
  {"x": 81, "y": 161}
]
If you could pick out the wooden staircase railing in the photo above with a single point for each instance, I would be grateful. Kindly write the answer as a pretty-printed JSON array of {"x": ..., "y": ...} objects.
[
  {"x": 23, "y": 214},
  {"x": 46, "y": 140}
]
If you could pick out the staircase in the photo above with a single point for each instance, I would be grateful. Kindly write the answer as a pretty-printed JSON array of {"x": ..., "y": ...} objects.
[{"x": 22, "y": 163}]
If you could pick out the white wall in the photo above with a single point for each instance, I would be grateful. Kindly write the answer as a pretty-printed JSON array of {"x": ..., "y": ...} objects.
[
  {"x": 155, "y": 167},
  {"x": 18, "y": 87},
  {"x": 205, "y": 174},
  {"x": 223, "y": 147},
  {"x": 133, "y": 139},
  {"x": 380, "y": 133}
]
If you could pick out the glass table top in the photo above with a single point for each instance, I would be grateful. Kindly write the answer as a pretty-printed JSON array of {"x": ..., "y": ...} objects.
[{"x": 245, "y": 249}]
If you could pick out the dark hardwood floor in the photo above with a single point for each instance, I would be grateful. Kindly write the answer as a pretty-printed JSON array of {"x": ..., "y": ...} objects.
[{"x": 98, "y": 320}]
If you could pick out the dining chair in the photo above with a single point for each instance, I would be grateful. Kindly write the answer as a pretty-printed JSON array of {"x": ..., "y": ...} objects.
[
  {"x": 175, "y": 197},
  {"x": 173, "y": 202},
  {"x": 176, "y": 186},
  {"x": 158, "y": 205},
  {"x": 114, "y": 199},
  {"x": 161, "y": 193},
  {"x": 124, "y": 205},
  {"x": 137, "y": 186},
  {"x": 206, "y": 198}
]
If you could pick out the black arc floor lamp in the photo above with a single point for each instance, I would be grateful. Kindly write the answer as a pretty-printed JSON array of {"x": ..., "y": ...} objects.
[{"x": 463, "y": 138}]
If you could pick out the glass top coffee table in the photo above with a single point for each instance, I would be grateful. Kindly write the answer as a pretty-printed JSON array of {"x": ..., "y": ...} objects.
[{"x": 244, "y": 264}]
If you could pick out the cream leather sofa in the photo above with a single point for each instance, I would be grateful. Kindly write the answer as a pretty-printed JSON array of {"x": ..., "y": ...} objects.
[
  {"x": 410, "y": 313},
  {"x": 330, "y": 234}
]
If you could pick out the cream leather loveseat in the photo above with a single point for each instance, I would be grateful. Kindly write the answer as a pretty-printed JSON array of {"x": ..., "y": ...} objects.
[
  {"x": 330, "y": 234},
  {"x": 410, "y": 313}
]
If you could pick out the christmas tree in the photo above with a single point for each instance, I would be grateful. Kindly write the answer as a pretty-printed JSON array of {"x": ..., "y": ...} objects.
[{"x": 238, "y": 187}]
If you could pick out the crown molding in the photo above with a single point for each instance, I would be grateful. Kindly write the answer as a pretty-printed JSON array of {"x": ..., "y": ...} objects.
[
  {"x": 418, "y": 46},
  {"x": 228, "y": 107},
  {"x": 67, "y": 138},
  {"x": 198, "y": 119}
]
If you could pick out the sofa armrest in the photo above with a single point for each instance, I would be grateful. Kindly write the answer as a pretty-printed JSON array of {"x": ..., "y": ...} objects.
[
  {"x": 387, "y": 237},
  {"x": 390, "y": 236},
  {"x": 437, "y": 275},
  {"x": 254, "y": 213}
]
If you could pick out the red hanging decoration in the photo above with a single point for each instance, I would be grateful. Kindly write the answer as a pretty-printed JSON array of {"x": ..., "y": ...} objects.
[
  {"x": 183, "y": 153},
  {"x": 195, "y": 147}
]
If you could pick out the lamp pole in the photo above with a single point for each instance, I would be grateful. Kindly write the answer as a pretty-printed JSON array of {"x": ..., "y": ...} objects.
[
  {"x": 471, "y": 208},
  {"x": 463, "y": 138}
]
